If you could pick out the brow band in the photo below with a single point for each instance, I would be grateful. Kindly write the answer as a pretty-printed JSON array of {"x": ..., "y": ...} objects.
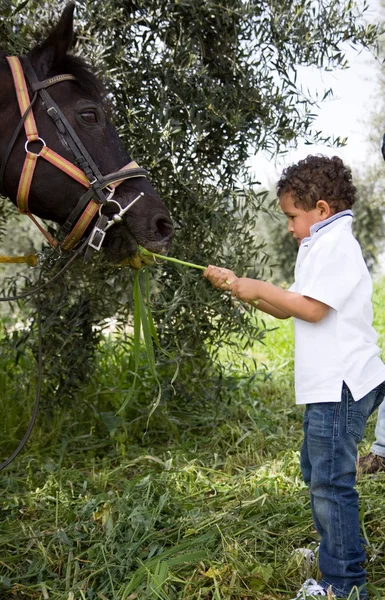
[{"x": 51, "y": 81}]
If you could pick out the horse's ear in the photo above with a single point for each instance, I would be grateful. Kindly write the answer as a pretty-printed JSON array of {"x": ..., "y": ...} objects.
[{"x": 57, "y": 44}]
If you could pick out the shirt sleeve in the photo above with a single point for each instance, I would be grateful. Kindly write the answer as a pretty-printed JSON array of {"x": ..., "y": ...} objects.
[{"x": 334, "y": 274}]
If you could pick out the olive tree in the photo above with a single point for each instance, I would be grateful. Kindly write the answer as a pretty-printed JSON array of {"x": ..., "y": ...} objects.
[{"x": 196, "y": 87}]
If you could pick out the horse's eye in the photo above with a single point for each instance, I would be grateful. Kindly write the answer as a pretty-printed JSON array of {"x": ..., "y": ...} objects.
[{"x": 89, "y": 116}]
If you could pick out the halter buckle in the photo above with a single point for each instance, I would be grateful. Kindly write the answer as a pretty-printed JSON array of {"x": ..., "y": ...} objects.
[
  {"x": 96, "y": 238},
  {"x": 111, "y": 192}
]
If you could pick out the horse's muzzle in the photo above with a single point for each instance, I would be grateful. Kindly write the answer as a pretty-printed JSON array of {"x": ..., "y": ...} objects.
[{"x": 163, "y": 230}]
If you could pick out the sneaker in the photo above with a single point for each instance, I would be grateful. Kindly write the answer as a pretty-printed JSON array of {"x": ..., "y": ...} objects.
[
  {"x": 372, "y": 463},
  {"x": 305, "y": 554},
  {"x": 311, "y": 589}
]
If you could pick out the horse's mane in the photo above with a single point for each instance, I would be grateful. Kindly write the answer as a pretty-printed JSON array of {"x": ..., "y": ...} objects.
[
  {"x": 76, "y": 66},
  {"x": 87, "y": 80}
]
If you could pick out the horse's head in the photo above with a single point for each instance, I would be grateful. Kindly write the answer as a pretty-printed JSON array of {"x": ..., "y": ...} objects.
[{"x": 55, "y": 195}]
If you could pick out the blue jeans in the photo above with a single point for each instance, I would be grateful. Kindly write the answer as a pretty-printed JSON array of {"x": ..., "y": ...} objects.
[
  {"x": 379, "y": 445},
  {"x": 328, "y": 464}
]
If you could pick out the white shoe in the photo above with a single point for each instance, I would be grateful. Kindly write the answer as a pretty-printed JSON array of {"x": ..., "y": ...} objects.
[
  {"x": 310, "y": 589},
  {"x": 305, "y": 554}
]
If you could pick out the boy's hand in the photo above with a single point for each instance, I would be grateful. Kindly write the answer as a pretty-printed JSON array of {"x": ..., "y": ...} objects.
[
  {"x": 245, "y": 289},
  {"x": 220, "y": 277},
  {"x": 240, "y": 287}
]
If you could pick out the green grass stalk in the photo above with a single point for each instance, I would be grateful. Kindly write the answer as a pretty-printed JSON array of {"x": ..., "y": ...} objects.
[{"x": 170, "y": 259}]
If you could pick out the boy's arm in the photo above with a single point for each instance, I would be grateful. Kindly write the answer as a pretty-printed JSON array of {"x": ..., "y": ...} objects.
[
  {"x": 222, "y": 278},
  {"x": 289, "y": 303},
  {"x": 268, "y": 308},
  {"x": 269, "y": 298}
]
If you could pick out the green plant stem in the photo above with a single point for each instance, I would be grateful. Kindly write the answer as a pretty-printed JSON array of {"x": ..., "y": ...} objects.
[{"x": 170, "y": 259}]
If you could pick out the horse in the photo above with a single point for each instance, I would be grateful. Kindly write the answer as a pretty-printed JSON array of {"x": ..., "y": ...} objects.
[{"x": 61, "y": 159}]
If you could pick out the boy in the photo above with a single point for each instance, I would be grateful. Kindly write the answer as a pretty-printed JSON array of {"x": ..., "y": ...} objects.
[{"x": 338, "y": 373}]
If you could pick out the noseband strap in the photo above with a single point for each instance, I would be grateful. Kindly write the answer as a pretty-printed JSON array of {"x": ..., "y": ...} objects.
[{"x": 85, "y": 171}]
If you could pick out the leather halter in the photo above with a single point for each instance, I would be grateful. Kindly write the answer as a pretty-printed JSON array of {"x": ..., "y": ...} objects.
[{"x": 87, "y": 175}]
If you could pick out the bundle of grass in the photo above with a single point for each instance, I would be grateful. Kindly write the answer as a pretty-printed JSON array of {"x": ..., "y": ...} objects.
[{"x": 144, "y": 326}]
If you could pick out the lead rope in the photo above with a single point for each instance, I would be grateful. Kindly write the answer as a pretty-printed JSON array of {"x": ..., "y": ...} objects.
[
  {"x": 39, "y": 382},
  {"x": 37, "y": 291},
  {"x": 30, "y": 259}
]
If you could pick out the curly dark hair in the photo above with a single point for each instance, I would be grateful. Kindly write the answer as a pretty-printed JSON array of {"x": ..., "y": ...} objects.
[{"x": 319, "y": 178}]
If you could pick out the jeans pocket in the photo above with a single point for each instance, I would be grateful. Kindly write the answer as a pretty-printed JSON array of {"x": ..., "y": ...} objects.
[{"x": 357, "y": 413}]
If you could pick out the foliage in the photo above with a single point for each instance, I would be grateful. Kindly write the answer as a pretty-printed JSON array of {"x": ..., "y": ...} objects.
[
  {"x": 204, "y": 501},
  {"x": 280, "y": 245},
  {"x": 195, "y": 87},
  {"x": 207, "y": 504},
  {"x": 369, "y": 226},
  {"x": 12, "y": 40}
]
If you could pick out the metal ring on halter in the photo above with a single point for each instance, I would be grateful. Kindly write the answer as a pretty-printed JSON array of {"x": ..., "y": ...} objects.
[
  {"x": 111, "y": 202},
  {"x": 39, "y": 139}
]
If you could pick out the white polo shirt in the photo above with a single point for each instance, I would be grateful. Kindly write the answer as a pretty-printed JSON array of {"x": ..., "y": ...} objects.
[{"x": 343, "y": 345}]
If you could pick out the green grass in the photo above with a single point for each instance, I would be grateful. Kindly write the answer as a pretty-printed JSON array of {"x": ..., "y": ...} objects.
[{"x": 205, "y": 502}]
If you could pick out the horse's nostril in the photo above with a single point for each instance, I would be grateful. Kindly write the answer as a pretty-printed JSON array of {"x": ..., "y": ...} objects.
[{"x": 163, "y": 225}]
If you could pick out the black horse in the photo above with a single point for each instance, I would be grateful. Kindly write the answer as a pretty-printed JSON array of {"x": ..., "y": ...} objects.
[{"x": 61, "y": 118}]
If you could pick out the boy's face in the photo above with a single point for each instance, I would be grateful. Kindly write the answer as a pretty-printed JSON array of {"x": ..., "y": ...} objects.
[{"x": 300, "y": 220}]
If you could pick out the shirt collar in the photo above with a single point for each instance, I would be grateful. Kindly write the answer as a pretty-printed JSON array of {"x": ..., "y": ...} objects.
[{"x": 321, "y": 224}]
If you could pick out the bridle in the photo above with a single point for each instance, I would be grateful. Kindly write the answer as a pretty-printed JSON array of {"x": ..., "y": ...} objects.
[{"x": 84, "y": 171}]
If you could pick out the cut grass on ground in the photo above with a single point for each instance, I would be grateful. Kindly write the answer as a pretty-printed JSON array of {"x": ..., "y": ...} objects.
[{"x": 208, "y": 504}]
